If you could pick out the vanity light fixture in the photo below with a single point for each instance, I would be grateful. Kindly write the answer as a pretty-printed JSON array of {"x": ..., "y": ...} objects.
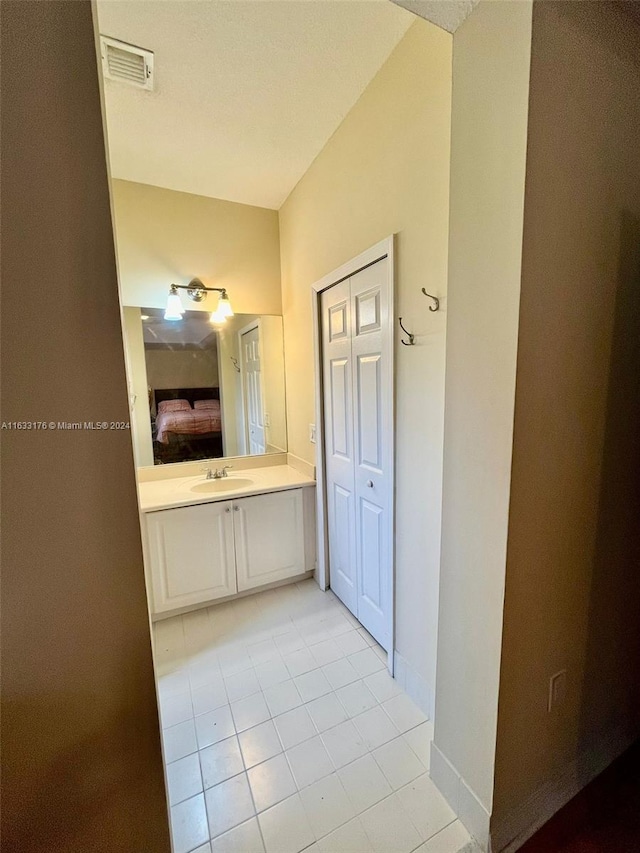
[{"x": 196, "y": 291}]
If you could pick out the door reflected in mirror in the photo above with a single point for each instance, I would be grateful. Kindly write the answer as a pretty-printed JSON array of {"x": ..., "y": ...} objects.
[{"x": 205, "y": 391}]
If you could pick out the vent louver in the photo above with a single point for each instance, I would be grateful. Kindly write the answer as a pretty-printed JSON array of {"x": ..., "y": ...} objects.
[{"x": 126, "y": 63}]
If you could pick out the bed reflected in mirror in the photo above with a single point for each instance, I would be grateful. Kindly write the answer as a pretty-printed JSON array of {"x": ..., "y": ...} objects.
[{"x": 205, "y": 391}]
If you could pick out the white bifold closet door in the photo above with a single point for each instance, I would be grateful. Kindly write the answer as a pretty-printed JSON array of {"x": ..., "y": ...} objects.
[{"x": 358, "y": 410}]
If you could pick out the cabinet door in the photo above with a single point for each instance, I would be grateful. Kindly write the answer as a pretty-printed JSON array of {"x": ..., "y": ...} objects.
[
  {"x": 269, "y": 537},
  {"x": 191, "y": 555}
]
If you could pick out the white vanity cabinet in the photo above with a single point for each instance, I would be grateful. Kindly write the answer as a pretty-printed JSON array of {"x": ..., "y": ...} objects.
[
  {"x": 191, "y": 555},
  {"x": 198, "y": 553},
  {"x": 269, "y": 538}
]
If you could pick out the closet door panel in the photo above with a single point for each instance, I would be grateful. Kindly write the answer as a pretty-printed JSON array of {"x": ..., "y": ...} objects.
[
  {"x": 339, "y": 441},
  {"x": 373, "y": 457}
]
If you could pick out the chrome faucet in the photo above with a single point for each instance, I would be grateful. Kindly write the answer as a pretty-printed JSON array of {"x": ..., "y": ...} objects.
[{"x": 217, "y": 473}]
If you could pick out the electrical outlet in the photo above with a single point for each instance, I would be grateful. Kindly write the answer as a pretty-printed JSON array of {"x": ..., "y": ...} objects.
[
  {"x": 312, "y": 433},
  {"x": 557, "y": 689}
]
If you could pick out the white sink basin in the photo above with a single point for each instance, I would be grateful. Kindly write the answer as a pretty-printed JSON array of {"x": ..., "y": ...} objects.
[{"x": 224, "y": 484}]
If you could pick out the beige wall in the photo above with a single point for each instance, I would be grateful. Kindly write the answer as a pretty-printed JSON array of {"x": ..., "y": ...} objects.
[
  {"x": 386, "y": 170},
  {"x": 182, "y": 368},
  {"x": 81, "y": 761},
  {"x": 573, "y": 584},
  {"x": 163, "y": 236},
  {"x": 489, "y": 129}
]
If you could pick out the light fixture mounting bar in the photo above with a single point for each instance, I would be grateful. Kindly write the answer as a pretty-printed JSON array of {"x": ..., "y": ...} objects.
[{"x": 197, "y": 290}]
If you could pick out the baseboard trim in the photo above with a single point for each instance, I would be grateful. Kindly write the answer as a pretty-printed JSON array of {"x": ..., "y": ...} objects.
[
  {"x": 518, "y": 827},
  {"x": 462, "y": 799},
  {"x": 413, "y": 684}
]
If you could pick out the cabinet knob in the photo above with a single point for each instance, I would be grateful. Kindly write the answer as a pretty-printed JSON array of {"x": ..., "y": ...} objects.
[
  {"x": 227, "y": 509},
  {"x": 369, "y": 484},
  {"x": 236, "y": 508}
]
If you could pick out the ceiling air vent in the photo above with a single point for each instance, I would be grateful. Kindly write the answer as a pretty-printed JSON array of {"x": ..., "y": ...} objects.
[{"x": 127, "y": 63}]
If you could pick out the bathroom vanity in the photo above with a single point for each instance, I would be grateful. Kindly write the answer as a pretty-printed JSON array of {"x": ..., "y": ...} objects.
[{"x": 207, "y": 539}]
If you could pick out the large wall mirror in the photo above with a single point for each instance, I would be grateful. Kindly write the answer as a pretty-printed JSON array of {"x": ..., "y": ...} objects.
[{"x": 205, "y": 391}]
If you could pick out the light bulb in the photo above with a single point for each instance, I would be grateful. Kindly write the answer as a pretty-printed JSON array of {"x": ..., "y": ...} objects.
[
  {"x": 224, "y": 308},
  {"x": 174, "y": 310},
  {"x": 217, "y": 318}
]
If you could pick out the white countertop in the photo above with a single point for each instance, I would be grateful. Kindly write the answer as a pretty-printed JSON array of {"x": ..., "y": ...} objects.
[{"x": 178, "y": 491}]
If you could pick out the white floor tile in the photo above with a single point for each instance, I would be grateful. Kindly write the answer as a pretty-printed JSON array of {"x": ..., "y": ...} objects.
[
  {"x": 356, "y": 698},
  {"x": 425, "y": 806},
  {"x": 326, "y": 652},
  {"x": 288, "y": 642},
  {"x": 259, "y": 744},
  {"x": 249, "y": 712},
  {"x": 197, "y": 630},
  {"x": 340, "y": 672},
  {"x": 300, "y": 662},
  {"x": 245, "y": 838},
  {"x": 309, "y": 761},
  {"x": 403, "y": 713},
  {"x": 204, "y": 667},
  {"x": 221, "y": 761},
  {"x": 229, "y": 804},
  {"x": 312, "y": 684},
  {"x": 176, "y": 709},
  {"x": 234, "y": 660},
  {"x": 350, "y": 642},
  {"x": 364, "y": 783},
  {"x": 451, "y": 839},
  {"x": 419, "y": 739},
  {"x": 214, "y": 726},
  {"x": 189, "y": 825},
  {"x": 173, "y": 683},
  {"x": 350, "y": 838},
  {"x": 241, "y": 684},
  {"x": 326, "y": 712},
  {"x": 382, "y": 685},
  {"x": 284, "y": 690},
  {"x": 327, "y": 805},
  {"x": 338, "y": 625},
  {"x": 294, "y": 727},
  {"x": 263, "y": 651},
  {"x": 398, "y": 762},
  {"x": 344, "y": 743},
  {"x": 282, "y": 697},
  {"x": 375, "y": 727},
  {"x": 184, "y": 779},
  {"x": 366, "y": 662},
  {"x": 285, "y": 827},
  {"x": 209, "y": 696},
  {"x": 272, "y": 672},
  {"x": 179, "y": 741},
  {"x": 388, "y": 829},
  {"x": 271, "y": 782}
]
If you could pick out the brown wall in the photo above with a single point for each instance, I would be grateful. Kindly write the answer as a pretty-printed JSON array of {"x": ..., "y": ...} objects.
[
  {"x": 81, "y": 762},
  {"x": 573, "y": 560}
]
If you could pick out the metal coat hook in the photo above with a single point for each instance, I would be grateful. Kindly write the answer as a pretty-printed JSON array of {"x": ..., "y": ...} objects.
[
  {"x": 436, "y": 301},
  {"x": 411, "y": 342}
]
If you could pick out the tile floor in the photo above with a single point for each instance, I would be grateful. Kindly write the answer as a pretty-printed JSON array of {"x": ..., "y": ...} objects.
[{"x": 283, "y": 732}]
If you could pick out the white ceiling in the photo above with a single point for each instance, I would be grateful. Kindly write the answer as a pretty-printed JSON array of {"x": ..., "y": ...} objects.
[
  {"x": 447, "y": 14},
  {"x": 248, "y": 92}
]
